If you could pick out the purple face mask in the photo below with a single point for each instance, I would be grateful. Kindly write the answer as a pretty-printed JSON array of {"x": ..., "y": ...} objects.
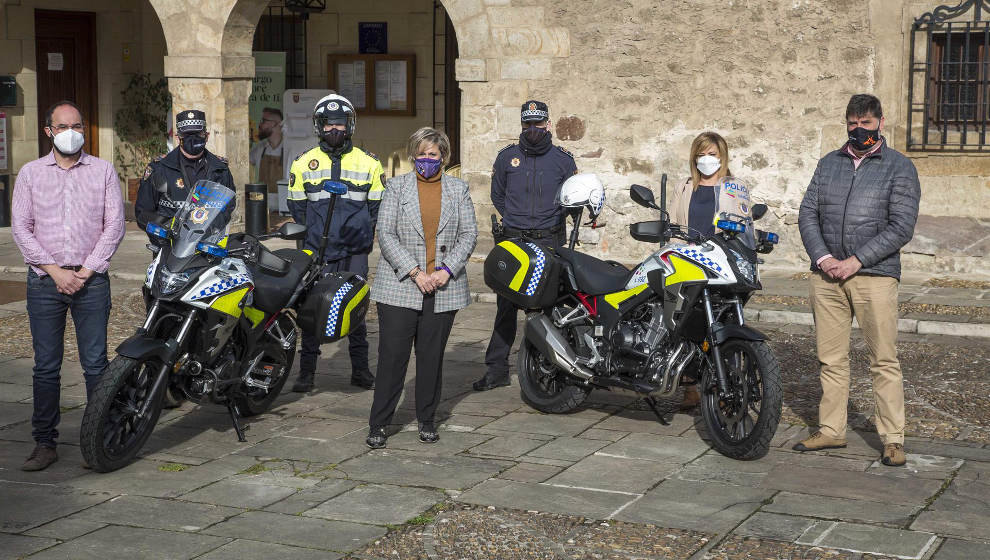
[{"x": 428, "y": 167}]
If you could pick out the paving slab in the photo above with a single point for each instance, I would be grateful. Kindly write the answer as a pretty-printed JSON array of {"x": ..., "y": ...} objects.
[
  {"x": 388, "y": 466},
  {"x": 309, "y": 498},
  {"x": 954, "y": 523},
  {"x": 506, "y": 446},
  {"x": 712, "y": 508},
  {"x": 14, "y": 453},
  {"x": 920, "y": 466},
  {"x": 156, "y": 513},
  {"x": 871, "y": 539},
  {"x": 543, "y": 497},
  {"x": 239, "y": 494},
  {"x": 132, "y": 542},
  {"x": 774, "y": 526},
  {"x": 568, "y": 448},
  {"x": 848, "y": 484},
  {"x": 282, "y": 447},
  {"x": 949, "y": 450},
  {"x": 956, "y": 549},
  {"x": 550, "y": 424},
  {"x": 974, "y": 470},
  {"x": 144, "y": 478},
  {"x": 14, "y": 413},
  {"x": 451, "y": 443},
  {"x": 296, "y": 530},
  {"x": 327, "y": 429},
  {"x": 65, "y": 529},
  {"x": 667, "y": 449},
  {"x": 604, "y": 435},
  {"x": 639, "y": 421},
  {"x": 841, "y": 508},
  {"x": 29, "y": 505},
  {"x": 379, "y": 504},
  {"x": 617, "y": 474},
  {"x": 19, "y": 546},
  {"x": 11, "y": 393},
  {"x": 967, "y": 496},
  {"x": 530, "y": 472},
  {"x": 243, "y": 549}
]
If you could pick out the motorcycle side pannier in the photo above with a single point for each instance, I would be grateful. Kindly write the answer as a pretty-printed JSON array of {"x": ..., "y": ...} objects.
[
  {"x": 334, "y": 306},
  {"x": 523, "y": 272}
]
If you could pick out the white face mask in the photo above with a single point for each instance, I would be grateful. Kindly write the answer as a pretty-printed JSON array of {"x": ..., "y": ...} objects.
[
  {"x": 69, "y": 142},
  {"x": 708, "y": 165}
]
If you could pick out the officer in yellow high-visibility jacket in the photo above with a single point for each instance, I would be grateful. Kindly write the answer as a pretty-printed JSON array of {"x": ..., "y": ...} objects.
[{"x": 352, "y": 227}]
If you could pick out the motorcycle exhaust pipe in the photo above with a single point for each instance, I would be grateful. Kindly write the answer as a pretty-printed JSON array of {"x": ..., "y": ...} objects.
[{"x": 541, "y": 333}]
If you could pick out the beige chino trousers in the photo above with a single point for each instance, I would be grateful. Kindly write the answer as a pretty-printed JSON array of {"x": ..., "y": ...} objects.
[{"x": 873, "y": 301}]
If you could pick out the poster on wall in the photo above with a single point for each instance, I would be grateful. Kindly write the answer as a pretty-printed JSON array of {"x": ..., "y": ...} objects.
[
  {"x": 267, "y": 88},
  {"x": 373, "y": 37}
]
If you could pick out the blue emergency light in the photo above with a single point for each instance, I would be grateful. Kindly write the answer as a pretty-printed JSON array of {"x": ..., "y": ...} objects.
[
  {"x": 727, "y": 225},
  {"x": 773, "y": 237},
  {"x": 334, "y": 187},
  {"x": 156, "y": 230},
  {"x": 211, "y": 249}
]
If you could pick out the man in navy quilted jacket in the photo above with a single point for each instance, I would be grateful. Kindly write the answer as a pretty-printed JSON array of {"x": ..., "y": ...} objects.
[{"x": 858, "y": 211}]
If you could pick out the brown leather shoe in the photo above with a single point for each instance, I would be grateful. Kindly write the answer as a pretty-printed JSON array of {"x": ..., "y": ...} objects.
[
  {"x": 40, "y": 458},
  {"x": 819, "y": 441},
  {"x": 893, "y": 455}
]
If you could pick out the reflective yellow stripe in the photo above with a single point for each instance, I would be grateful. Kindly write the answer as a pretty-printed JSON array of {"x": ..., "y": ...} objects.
[
  {"x": 355, "y": 175},
  {"x": 376, "y": 194},
  {"x": 345, "y": 324},
  {"x": 256, "y": 316},
  {"x": 296, "y": 194},
  {"x": 230, "y": 303},
  {"x": 618, "y": 297},
  {"x": 684, "y": 271},
  {"x": 523, "y": 259}
]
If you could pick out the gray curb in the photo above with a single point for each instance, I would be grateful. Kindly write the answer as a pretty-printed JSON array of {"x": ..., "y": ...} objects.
[{"x": 916, "y": 326}]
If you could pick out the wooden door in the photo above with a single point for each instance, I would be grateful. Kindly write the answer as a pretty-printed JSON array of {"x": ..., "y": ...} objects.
[{"x": 65, "y": 47}]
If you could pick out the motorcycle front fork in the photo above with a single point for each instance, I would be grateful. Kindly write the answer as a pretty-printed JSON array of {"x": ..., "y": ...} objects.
[{"x": 721, "y": 376}]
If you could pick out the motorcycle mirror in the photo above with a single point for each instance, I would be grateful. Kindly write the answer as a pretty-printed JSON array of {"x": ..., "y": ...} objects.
[
  {"x": 292, "y": 231},
  {"x": 642, "y": 196},
  {"x": 759, "y": 210}
]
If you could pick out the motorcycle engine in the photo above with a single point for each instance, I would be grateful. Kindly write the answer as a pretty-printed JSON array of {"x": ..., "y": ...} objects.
[{"x": 642, "y": 333}]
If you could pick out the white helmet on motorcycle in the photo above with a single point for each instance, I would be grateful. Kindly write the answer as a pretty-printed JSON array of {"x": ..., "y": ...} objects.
[{"x": 583, "y": 189}]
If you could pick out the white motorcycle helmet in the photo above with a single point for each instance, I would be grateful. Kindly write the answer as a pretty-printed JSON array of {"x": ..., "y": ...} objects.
[{"x": 583, "y": 189}]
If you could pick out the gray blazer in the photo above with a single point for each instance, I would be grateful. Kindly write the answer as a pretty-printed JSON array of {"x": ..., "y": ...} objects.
[{"x": 403, "y": 247}]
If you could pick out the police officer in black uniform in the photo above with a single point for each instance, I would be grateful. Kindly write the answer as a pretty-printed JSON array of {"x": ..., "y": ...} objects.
[
  {"x": 167, "y": 179},
  {"x": 526, "y": 178}
]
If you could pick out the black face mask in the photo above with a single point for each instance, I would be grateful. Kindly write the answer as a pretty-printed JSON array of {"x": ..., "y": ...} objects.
[
  {"x": 334, "y": 138},
  {"x": 535, "y": 140},
  {"x": 193, "y": 145},
  {"x": 863, "y": 139}
]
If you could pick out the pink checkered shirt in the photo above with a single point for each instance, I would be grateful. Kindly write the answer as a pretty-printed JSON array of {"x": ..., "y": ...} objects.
[{"x": 68, "y": 217}]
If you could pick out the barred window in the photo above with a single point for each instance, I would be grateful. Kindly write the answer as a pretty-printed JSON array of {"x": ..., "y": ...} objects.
[
  {"x": 281, "y": 29},
  {"x": 949, "y": 88}
]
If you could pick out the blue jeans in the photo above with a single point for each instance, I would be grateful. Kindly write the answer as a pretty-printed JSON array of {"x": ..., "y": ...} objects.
[
  {"x": 357, "y": 340},
  {"x": 46, "y": 309}
]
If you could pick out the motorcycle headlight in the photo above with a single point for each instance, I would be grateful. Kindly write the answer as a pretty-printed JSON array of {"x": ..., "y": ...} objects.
[
  {"x": 170, "y": 282},
  {"x": 745, "y": 267}
]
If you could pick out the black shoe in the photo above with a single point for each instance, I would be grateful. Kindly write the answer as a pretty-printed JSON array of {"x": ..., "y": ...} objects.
[
  {"x": 363, "y": 379},
  {"x": 304, "y": 383},
  {"x": 491, "y": 381},
  {"x": 376, "y": 437},
  {"x": 428, "y": 433},
  {"x": 40, "y": 459}
]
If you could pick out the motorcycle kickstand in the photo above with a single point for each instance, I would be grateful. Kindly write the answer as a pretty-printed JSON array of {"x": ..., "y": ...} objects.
[
  {"x": 653, "y": 405},
  {"x": 234, "y": 415}
]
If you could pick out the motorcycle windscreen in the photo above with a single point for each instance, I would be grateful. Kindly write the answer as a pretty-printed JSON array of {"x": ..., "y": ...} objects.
[
  {"x": 733, "y": 204},
  {"x": 201, "y": 218}
]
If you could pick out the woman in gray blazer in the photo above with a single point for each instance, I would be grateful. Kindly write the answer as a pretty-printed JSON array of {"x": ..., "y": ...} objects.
[{"x": 426, "y": 232}]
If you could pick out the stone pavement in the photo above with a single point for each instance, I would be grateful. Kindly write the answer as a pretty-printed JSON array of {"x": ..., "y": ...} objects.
[{"x": 605, "y": 482}]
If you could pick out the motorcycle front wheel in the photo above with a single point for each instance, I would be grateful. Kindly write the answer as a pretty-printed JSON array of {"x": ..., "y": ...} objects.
[
  {"x": 543, "y": 385},
  {"x": 742, "y": 423},
  {"x": 112, "y": 433}
]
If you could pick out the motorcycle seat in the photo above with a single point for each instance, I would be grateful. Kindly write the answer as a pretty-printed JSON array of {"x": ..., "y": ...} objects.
[
  {"x": 272, "y": 292},
  {"x": 595, "y": 276}
]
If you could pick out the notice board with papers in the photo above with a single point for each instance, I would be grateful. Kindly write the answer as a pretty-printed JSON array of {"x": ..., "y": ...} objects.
[{"x": 377, "y": 84}]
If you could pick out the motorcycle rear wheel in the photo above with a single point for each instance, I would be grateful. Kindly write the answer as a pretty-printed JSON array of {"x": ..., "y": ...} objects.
[
  {"x": 755, "y": 390},
  {"x": 111, "y": 435},
  {"x": 543, "y": 385},
  {"x": 256, "y": 401}
]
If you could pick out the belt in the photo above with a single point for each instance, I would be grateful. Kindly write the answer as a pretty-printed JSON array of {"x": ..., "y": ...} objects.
[
  {"x": 75, "y": 268},
  {"x": 533, "y": 233}
]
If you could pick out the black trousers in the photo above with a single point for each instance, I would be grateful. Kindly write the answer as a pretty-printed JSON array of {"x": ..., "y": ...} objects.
[
  {"x": 398, "y": 329},
  {"x": 506, "y": 315},
  {"x": 357, "y": 340}
]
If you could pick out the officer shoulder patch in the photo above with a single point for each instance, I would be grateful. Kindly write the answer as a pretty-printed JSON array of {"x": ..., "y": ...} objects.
[
  {"x": 372, "y": 156},
  {"x": 565, "y": 151},
  {"x": 147, "y": 173},
  {"x": 313, "y": 164},
  {"x": 223, "y": 159}
]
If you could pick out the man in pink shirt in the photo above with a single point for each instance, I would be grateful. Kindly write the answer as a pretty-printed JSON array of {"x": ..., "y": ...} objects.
[{"x": 68, "y": 219}]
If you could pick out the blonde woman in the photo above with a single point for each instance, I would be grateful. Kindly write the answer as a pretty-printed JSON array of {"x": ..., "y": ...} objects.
[
  {"x": 426, "y": 232},
  {"x": 692, "y": 204}
]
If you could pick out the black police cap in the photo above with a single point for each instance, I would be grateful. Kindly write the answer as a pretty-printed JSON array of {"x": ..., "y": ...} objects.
[
  {"x": 534, "y": 111},
  {"x": 190, "y": 121}
]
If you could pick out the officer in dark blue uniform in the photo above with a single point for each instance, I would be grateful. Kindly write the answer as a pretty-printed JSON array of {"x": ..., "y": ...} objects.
[
  {"x": 168, "y": 179},
  {"x": 526, "y": 178}
]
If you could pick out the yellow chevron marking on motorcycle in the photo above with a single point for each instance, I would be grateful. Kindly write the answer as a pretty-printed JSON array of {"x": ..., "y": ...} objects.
[
  {"x": 256, "y": 316},
  {"x": 523, "y": 259},
  {"x": 345, "y": 324},
  {"x": 684, "y": 271},
  {"x": 308, "y": 252},
  {"x": 618, "y": 297},
  {"x": 222, "y": 242},
  {"x": 230, "y": 303}
]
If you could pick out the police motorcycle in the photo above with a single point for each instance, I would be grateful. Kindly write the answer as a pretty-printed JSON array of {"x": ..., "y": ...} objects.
[
  {"x": 675, "y": 319},
  {"x": 221, "y": 324}
]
